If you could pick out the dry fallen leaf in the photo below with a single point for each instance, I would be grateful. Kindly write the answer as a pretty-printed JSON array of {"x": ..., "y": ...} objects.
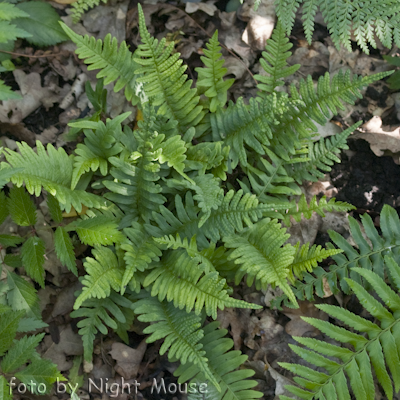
[
  {"x": 128, "y": 359},
  {"x": 382, "y": 141},
  {"x": 296, "y": 326}
]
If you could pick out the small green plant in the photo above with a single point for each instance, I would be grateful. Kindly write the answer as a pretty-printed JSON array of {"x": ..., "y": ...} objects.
[
  {"x": 35, "y": 21},
  {"x": 172, "y": 230}
]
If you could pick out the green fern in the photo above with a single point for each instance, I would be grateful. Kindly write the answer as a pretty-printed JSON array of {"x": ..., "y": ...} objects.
[
  {"x": 52, "y": 171},
  {"x": 274, "y": 62},
  {"x": 210, "y": 79},
  {"x": 365, "y": 18},
  {"x": 116, "y": 64},
  {"x": 370, "y": 256},
  {"x": 378, "y": 350},
  {"x": 166, "y": 85},
  {"x": 80, "y": 6},
  {"x": 95, "y": 314},
  {"x": 223, "y": 363}
]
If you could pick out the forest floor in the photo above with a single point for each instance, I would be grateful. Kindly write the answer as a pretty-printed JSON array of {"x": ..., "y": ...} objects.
[{"x": 52, "y": 83}]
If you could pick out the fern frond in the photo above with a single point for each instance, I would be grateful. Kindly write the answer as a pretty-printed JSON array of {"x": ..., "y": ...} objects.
[
  {"x": 180, "y": 278},
  {"x": 365, "y": 18},
  {"x": 96, "y": 314},
  {"x": 302, "y": 208},
  {"x": 307, "y": 258},
  {"x": 274, "y": 62},
  {"x": 269, "y": 176},
  {"x": 101, "y": 143},
  {"x": 105, "y": 272},
  {"x": 239, "y": 125},
  {"x": 116, "y": 64},
  {"x": 378, "y": 351},
  {"x": 309, "y": 104},
  {"x": 210, "y": 79},
  {"x": 140, "y": 250},
  {"x": 80, "y": 6},
  {"x": 261, "y": 256},
  {"x": 51, "y": 170},
  {"x": 180, "y": 330},
  {"x": 322, "y": 154},
  {"x": 236, "y": 211},
  {"x": 223, "y": 362},
  {"x": 369, "y": 255},
  {"x": 99, "y": 230},
  {"x": 166, "y": 85}
]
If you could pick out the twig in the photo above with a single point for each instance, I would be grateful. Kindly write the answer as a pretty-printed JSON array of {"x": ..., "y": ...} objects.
[
  {"x": 27, "y": 55},
  {"x": 226, "y": 48}
]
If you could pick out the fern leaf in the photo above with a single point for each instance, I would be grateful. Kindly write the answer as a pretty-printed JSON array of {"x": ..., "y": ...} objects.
[
  {"x": 21, "y": 207},
  {"x": 104, "y": 272},
  {"x": 32, "y": 252},
  {"x": 116, "y": 64},
  {"x": 80, "y": 6},
  {"x": 52, "y": 171},
  {"x": 210, "y": 79},
  {"x": 223, "y": 363},
  {"x": 65, "y": 249},
  {"x": 99, "y": 230},
  {"x": 179, "y": 278},
  {"x": 261, "y": 255},
  {"x": 22, "y": 296},
  {"x": 322, "y": 154},
  {"x": 274, "y": 62},
  {"x": 370, "y": 255},
  {"x": 166, "y": 85},
  {"x": 96, "y": 318},
  {"x": 100, "y": 144},
  {"x": 307, "y": 210},
  {"x": 377, "y": 351},
  {"x": 308, "y": 258},
  {"x": 180, "y": 330},
  {"x": 20, "y": 352},
  {"x": 140, "y": 250}
]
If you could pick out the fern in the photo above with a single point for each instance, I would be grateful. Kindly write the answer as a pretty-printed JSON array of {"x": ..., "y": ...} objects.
[
  {"x": 52, "y": 171},
  {"x": 261, "y": 255},
  {"x": 116, "y": 64},
  {"x": 307, "y": 210},
  {"x": 378, "y": 350},
  {"x": 222, "y": 362},
  {"x": 365, "y": 18},
  {"x": 210, "y": 79},
  {"x": 181, "y": 331},
  {"x": 180, "y": 279},
  {"x": 274, "y": 62},
  {"x": 105, "y": 272},
  {"x": 166, "y": 85},
  {"x": 80, "y": 6},
  {"x": 370, "y": 256},
  {"x": 96, "y": 317}
]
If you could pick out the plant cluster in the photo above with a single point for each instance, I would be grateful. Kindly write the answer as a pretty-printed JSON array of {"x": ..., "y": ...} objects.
[{"x": 173, "y": 233}]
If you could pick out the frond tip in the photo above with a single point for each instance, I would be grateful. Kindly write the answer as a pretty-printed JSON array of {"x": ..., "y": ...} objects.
[{"x": 378, "y": 350}]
